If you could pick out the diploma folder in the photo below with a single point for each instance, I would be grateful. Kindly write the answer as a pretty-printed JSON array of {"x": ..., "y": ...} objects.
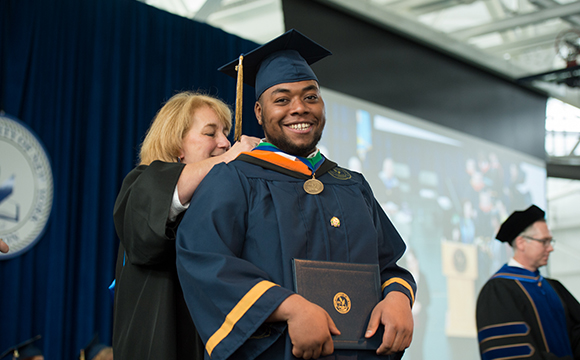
[{"x": 348, "y": 292}]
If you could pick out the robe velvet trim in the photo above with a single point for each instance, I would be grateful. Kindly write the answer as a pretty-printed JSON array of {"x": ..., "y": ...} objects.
[
  {"x": 518, "y": 309},
  {"x": 508, "y": 352},
  {"x": 535, "y": 280},
  {"x": 512, "y": 276},
  {"x": 503, "y": 330},
  {"x": 538, "y": 318}
]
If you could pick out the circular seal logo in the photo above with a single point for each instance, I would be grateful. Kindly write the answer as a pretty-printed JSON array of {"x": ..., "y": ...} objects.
[
  {"x": 341, "y": 303},
  {"x": 340, "y": 174},
  {"x": 26, "y": 187}
]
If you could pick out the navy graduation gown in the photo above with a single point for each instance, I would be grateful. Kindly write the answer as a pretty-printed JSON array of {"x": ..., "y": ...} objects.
[
  {"x": 236, "y": 243},
  {"x": 520, "y": 314}
]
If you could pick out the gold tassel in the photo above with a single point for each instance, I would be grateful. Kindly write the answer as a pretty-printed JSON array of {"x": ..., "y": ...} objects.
[{"x": 239, "y": 99}]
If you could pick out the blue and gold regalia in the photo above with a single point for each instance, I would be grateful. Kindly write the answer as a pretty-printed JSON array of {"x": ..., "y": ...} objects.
[
  {"x": 538, "y": 317},
  {"x": 248, "y": 220}
]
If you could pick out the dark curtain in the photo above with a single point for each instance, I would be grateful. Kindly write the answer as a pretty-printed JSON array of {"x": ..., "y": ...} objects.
[{"x": 87, "y": 77}]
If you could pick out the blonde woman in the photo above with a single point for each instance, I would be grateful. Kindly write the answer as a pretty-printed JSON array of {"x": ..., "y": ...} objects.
[{"x": 186, "y": 139}]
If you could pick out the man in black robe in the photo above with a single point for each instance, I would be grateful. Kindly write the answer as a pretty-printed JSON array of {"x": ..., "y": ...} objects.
[{"x": 521, "y": 314}]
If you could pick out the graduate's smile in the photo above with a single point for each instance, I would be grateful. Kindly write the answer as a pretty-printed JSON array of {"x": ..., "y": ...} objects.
[
  {"x": 300, "y": 127},
  {"x": 292, "y": 116}
]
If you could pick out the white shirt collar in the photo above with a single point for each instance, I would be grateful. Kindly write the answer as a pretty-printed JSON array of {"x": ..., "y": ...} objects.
[{"x": 514, "y": 263}]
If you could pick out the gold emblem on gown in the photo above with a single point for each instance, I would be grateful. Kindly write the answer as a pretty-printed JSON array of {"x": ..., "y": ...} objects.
[
  {"x": 335, "y": 222},
  {"x": 340, "y": 174}
]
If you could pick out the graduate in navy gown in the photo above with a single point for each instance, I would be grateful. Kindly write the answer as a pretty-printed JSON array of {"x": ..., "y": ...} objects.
[
  {"x": 521, "y": 314},
  {"x": 282, "y": 201}
]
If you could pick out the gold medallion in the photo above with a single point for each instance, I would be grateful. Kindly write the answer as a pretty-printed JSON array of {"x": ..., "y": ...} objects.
[
  {"x": 313, "y": 186},
  {"x": 341, "y": 303}
]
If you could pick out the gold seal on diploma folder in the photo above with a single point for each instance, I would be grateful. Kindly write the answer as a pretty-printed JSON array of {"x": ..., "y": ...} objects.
[{"x": 348, "y": 292}]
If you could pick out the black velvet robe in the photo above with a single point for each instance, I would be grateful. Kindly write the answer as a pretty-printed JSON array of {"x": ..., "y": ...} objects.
[
  {"x": 151, "y": 320},
  {"x": 521, "y": 315}
]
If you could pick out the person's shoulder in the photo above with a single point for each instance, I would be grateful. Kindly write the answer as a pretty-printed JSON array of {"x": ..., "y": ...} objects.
[
  {"x": 342, "y": 174},
  {"x": 155, "y": 166},
  {"x": 556, "y": 284},
  {"x": 225, "y": 173},
  {"x": 157, "y": 169},
  {"x": 494, "y": 283},
  {"x": 233, "y": 166}
]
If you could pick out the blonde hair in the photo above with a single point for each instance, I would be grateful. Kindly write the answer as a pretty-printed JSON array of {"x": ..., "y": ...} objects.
[
  {"x": 164, "y": 138},
  {"x": 106, "y": 353}
]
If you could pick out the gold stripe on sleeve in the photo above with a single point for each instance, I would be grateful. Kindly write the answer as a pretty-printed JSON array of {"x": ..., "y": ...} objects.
[
  {"x": 402, "y": 282},
  {"x": 237, "y": 312}
]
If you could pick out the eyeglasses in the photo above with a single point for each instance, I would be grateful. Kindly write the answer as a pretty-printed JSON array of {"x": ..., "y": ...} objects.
[{"x": 545, "y": 242}]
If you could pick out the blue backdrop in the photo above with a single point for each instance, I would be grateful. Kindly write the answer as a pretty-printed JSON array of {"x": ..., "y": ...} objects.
[{"x": 87, "y": 77}]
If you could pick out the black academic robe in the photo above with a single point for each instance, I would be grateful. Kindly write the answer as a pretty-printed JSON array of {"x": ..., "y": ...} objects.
[
  {"x": 234, "y": 255},
  {"x": 151, "y": 320},
  {"x": 521, "y": 315}
]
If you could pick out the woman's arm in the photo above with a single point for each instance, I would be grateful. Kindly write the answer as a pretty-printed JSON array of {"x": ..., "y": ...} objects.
[{"x": 194, "y": 173}]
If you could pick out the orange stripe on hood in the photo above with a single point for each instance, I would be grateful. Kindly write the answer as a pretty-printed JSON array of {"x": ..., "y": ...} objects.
[{"x": 282, "y": 161}]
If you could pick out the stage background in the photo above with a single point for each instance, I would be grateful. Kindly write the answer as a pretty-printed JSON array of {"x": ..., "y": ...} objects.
[{"x": 87, "y": 77}]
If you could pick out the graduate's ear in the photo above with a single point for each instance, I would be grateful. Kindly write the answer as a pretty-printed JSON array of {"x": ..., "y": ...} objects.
[{"x": 258, "y": 112}]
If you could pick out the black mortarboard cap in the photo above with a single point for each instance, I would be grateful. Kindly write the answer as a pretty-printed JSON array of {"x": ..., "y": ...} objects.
[
  {"x": 518, "y": 221},
  {"x": 285, "y": 59},
  {"x": 23, "y": 350},
  {"x": 92, "y": 349}
]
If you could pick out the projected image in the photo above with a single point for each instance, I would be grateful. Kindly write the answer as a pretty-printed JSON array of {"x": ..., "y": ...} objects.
[{"x": 446, "y": 193}]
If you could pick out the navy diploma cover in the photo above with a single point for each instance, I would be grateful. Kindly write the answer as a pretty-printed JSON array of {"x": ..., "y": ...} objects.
[{"x": 348, "y": 292}]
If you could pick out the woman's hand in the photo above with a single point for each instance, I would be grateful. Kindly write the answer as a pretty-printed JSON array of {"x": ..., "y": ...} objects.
[
  {"x": 245, "y": 144},
  {"x": 194, "y": 173},
  {"x": 3, "y": 246}
]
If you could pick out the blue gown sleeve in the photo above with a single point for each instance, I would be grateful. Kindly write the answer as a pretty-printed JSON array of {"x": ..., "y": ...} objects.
[{"x": 229, "y": 298}]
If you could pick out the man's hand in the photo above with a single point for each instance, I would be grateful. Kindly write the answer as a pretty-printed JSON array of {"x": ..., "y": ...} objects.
[
  {"x": 309, "y": 326},
  {"x": 394, "y": 312}
]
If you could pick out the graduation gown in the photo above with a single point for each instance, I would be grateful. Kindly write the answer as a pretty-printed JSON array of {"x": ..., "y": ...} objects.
[
  {"x": 521, "y": 314},
  {"x": 151, "y": 320},
  {"x": 234, "y": 253}
]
